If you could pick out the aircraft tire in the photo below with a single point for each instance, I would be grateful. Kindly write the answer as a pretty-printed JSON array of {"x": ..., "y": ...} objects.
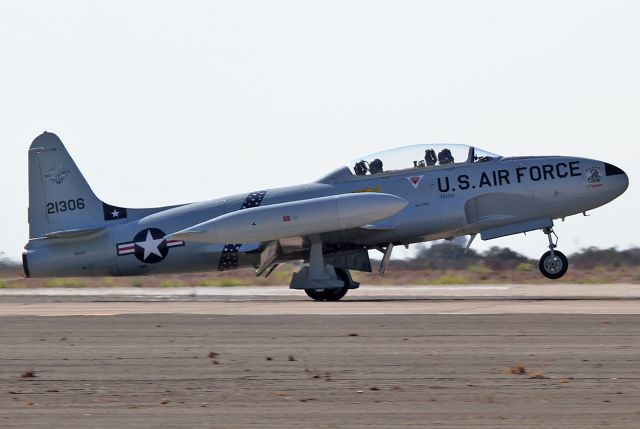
[
  {"x": 553, "y": 268},
  {"x": 331, "y": 294},
  {"x": 327, "y": 294}
]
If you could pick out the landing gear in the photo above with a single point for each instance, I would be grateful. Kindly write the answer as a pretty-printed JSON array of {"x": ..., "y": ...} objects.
[
  {"x": 319, "y": 281},
  {"x": 553, "y": 264},
  {"x": 327, "y": 294},
  {"x": 334, "y": 294}
]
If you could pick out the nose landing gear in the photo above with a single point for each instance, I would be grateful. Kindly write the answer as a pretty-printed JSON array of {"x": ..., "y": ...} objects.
[{"x": 553, "y": 264}]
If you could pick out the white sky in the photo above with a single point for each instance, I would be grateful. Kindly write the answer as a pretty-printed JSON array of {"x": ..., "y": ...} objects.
[{"x": 163, "y": 102}]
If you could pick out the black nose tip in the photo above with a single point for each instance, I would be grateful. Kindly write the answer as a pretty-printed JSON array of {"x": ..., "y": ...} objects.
[{"x": 612, "y": 170}]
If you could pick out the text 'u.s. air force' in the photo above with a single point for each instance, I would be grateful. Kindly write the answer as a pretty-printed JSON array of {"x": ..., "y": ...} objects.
[{"x": 502, "y": 177}]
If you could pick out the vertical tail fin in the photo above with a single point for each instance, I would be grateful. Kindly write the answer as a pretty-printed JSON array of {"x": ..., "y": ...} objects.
[{"x": 60, "y": 198}]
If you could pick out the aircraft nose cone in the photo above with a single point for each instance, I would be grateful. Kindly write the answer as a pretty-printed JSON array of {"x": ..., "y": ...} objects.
[{"x": 617, "y": 174}]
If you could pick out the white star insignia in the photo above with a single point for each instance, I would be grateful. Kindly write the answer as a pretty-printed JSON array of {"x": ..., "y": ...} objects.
[
  {"x": 151, "y": 246},
  {"x": 115, "y": 213}
]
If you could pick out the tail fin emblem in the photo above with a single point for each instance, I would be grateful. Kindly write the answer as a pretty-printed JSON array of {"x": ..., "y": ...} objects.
[{"x": 57, "y": 175}]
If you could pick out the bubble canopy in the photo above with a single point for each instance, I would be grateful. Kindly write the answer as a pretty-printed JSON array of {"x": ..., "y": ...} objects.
[{"x": 418, "y": 156}]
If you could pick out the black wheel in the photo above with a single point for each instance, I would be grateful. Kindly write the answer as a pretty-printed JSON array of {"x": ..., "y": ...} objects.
[
  {"x": 553, "y": 267},
  {"x": 331, "y": 294},
  {"x": 334, "y": 294}
]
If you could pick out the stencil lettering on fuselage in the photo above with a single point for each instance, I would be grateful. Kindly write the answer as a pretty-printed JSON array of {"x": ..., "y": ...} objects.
[{"x": 504, "y": 177}]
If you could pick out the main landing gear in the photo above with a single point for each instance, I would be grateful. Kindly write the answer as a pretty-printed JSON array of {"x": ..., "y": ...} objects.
[
  {"x": 335, "y": 294},
  {"x": 319, "y": 281},
  {"x": 553, "y": 264}
]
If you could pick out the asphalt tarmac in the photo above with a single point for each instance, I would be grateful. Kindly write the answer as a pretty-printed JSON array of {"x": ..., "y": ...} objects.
[{"x": 485, "y": 356}]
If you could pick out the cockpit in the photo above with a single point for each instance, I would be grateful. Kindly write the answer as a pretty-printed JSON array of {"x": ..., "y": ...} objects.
[{"x": 418, "y": 156}]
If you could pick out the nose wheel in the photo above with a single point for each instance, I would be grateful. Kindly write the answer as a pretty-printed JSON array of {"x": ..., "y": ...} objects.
[{"x": 553, "y": 264}]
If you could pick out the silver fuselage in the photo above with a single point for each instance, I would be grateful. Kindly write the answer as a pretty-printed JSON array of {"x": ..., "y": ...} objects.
[{"x": 447, "y": 201}]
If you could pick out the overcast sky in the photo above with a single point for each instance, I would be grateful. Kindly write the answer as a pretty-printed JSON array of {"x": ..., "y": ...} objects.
[{"x": 164, "y": 102}]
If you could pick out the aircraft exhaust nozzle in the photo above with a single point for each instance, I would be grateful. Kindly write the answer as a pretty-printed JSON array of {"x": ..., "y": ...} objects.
[{"x": 303, "y": 217}]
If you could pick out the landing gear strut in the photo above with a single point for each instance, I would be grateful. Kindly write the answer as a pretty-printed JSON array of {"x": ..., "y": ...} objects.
[
  {"x": 553, "y": 264},
  {"x": 322, "y": 282}
]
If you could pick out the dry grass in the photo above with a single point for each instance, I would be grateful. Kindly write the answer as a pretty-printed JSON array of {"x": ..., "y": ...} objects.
[
  {"x": 477, "y": 274},
  {"x": 65, "y": 282},
  {"x": 450, "y": 279},
  {"x": 225, "y": 282}
]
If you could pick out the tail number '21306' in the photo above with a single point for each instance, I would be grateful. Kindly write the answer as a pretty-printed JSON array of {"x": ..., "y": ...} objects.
[{"x": 64, "y": 206}]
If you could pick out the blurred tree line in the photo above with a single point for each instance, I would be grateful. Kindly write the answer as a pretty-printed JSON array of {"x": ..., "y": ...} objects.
[
  {"x": 4, "y": 261},
  {"x": 448, "y": 255},
  {"x": 7, "y": 265},
  {"x": 452, "y": 256}
]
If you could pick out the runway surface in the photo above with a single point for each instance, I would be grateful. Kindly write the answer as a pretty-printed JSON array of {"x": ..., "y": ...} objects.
[
  {"x": 450, "y": 357},
  {"x": 479, "y": 299}
]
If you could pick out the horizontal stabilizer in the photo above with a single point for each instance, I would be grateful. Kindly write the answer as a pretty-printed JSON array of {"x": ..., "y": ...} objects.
[{"x": 73, "y": 233}]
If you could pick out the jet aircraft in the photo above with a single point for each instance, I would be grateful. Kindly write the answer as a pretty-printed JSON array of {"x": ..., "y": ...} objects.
[{"x": 398, "y": 197}]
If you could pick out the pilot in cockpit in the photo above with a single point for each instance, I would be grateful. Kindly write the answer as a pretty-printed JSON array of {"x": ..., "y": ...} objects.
[
  {"x": 430, "y": 157},
  {"x": 445, "y": 157},
  {"x": 361, "y": 168},
  {"x": 375, "y": 166}
]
